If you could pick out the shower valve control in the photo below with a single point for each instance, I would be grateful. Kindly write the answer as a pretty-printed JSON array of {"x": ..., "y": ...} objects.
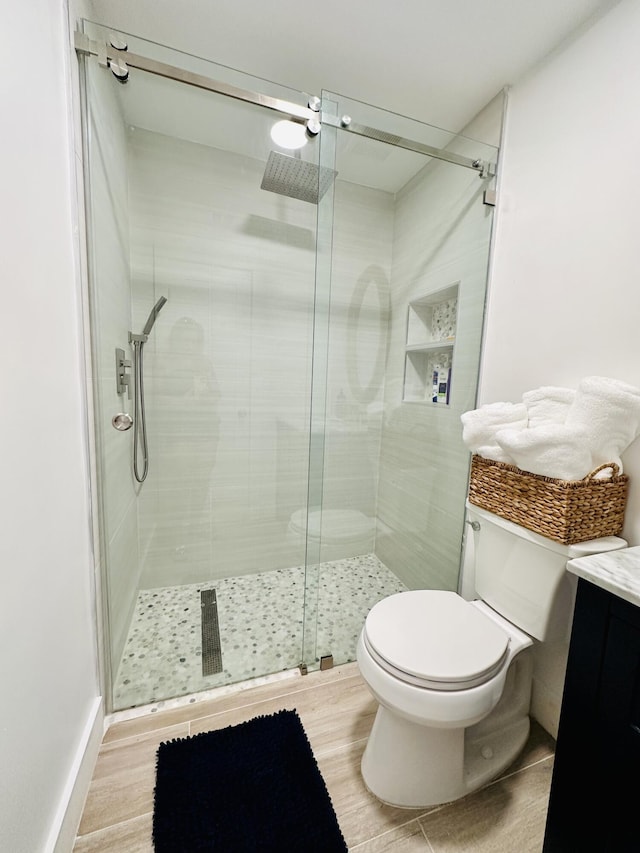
[
  {"x": 123, "y": 378},
  {"x": 122, "y": 421}
]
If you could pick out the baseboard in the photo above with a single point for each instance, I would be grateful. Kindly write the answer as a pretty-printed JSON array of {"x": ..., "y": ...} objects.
[
  {"x": 64, "y": 829},
  {"x": 545, "y": 708}
]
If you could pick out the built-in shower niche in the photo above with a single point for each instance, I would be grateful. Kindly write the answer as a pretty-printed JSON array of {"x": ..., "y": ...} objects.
[{"x": 431, "y": 337}]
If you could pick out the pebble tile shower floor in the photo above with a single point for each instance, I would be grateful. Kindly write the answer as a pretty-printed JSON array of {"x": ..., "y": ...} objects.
[{"x": 260, "y": 620}]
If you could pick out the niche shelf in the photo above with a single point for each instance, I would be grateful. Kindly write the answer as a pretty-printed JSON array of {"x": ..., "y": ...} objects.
[{"x": 430, "y": 344}]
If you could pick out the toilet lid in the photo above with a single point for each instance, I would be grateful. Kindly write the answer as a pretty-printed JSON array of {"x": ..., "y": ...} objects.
[{"x": 435, "y": 638}]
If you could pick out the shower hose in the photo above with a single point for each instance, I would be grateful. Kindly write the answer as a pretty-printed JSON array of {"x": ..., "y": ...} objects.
[{"x": 139, "y": 421}]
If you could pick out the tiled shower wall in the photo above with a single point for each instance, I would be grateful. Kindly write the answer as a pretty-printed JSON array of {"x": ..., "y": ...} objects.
[
  {"x": 358, "y": 338},
  {"x": 228, "y": 364},
  {"x": 442, "y": 233}
]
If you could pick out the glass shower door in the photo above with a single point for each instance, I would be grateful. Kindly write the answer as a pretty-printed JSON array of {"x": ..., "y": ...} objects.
[
  {"x": 192, "y": 201},
  {"x": 402, "y": 286}
]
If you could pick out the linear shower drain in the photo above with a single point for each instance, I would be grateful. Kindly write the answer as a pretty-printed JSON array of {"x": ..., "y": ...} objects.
[{"x": 211, "y": 651}]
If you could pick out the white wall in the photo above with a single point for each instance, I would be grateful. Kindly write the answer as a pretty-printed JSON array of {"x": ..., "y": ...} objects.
[
  {"x": 48, "y": 670},
  {"x": 564, "y": 295}
]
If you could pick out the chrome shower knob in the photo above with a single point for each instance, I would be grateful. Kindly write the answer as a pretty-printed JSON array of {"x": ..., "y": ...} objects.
[{"x": 122, "y": 421}]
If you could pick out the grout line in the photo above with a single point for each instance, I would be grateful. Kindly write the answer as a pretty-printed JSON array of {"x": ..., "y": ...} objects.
[
  {"x": 426, "y": 837},
  {"x": 96, "y": 832},
  {"x": 130, "y": 740},
  {"x": 333, "y": 749},
  {"x": 362, "y": 844},
  {"x": 517, "y": 772},
  {"x": 273, "y": 698},
  {"x": 196, "y": 717},
  {"x": 223, "y": 690}
]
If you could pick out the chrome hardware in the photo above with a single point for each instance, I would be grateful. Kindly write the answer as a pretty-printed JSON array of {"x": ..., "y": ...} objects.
[
  {"x": 137, "y": 339},
  {"x": 475, "y": 525},
  {"x": 485, "y": 170},
  {"x": 489, "y": 198},
  {"x": 123, "y": 379},
  {"x": 106, "y": 54},
  {"x": 101, "y": 53},
  {"x": 313, "y": 127},
  {"x": 314, "y": 103},
  {"x": 119, "y": 70},
  {"x": 118, "y": 42},
  {"x": 210, "y": 633},
  {"x": 140, "y": 423},
  {"x": 122, "y": 421}
]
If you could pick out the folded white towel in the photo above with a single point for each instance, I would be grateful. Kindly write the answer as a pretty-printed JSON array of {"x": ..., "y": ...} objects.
[
  {"x": 548, "y": 404},
  {"x": 495, "y": 452},
  {"x": 480, "y": 426},
  {"x": 553, "y": 450},
  {"x": 609, "y": 412}
]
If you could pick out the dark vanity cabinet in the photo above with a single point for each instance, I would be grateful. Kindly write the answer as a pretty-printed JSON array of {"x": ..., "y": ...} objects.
[{"x": 595, "y": 791}]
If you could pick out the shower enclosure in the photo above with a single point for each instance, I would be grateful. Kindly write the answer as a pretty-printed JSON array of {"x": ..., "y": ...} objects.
[{"x": 319, "y": 336}]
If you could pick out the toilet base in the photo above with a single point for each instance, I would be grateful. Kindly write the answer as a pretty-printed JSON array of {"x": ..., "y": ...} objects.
[{"x": 410, "y": 766}]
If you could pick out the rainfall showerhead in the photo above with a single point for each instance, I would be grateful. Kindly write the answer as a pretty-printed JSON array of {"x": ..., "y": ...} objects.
[
  {"x": 295, "y": 178},
  {"x": 152, "y": 317}
]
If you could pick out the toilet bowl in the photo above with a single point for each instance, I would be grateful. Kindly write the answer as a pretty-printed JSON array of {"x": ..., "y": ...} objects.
[
  {"x": 339, "y": 533},
  {"x": 453, "y": 677},
  {"x": 432, "y": 694}
]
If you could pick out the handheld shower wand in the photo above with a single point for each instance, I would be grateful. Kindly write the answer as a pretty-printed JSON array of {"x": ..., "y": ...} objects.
[
  {"x": 139, "y": 417},
  {"x": 153, "y": 316}
]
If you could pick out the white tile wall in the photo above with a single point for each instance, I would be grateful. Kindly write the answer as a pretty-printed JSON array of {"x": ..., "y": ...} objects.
[
  {"x": 228, "y": 364},
  {"x": 442, "y": 233},
  {"x": 358, "y": 337}
]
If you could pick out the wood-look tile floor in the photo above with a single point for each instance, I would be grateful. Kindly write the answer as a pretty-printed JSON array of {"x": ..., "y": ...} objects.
[{"x": 337, "y": 712}]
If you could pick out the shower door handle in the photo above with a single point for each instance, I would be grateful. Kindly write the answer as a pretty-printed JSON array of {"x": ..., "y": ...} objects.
[{"x": 122, "y": 421}]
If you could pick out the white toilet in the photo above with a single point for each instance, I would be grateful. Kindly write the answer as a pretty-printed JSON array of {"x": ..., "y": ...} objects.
[{"x": 453, "y": 677}]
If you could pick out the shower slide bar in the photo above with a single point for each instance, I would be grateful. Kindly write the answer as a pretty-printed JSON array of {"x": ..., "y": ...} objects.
[{"x": 120, "y": 60}]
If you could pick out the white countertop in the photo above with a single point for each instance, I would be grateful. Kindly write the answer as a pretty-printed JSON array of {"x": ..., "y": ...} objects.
[{"x": 616, "y": 571}]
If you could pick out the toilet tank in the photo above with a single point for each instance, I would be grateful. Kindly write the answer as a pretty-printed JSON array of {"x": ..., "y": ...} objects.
[{"x": 523, "y": 575}]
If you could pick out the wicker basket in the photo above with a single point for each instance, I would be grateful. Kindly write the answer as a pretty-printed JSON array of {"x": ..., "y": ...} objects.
[{"x": 566, "y": 511}]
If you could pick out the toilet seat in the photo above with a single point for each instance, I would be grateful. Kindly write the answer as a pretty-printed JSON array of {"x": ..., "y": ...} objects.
[{"x": 434, "y": 639}]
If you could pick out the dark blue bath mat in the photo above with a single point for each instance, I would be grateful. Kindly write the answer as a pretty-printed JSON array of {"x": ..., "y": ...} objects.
[{"x": 250, "y": 788}]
